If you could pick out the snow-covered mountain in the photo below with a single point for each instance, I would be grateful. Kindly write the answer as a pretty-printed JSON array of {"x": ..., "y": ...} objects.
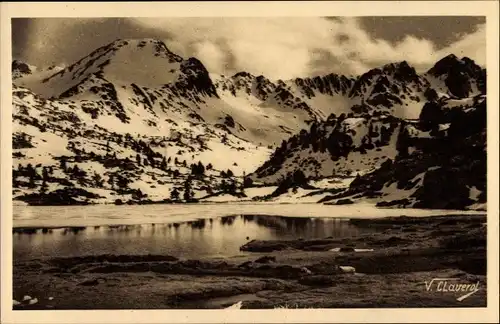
[
  {"x": 360, "y": 138},
  {"x": 133, "y": 117},
  {"x": 441, "y": 162},
  {"x": 437, "y": 161},
  {"x": 458, "y": 78}
]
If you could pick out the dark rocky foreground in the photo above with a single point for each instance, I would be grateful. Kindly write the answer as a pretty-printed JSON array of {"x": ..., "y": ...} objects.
[{"x": 391, "y": 268}]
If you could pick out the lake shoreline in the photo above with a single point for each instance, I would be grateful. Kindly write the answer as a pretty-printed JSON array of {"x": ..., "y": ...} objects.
[{"x": 390, "y": 271}]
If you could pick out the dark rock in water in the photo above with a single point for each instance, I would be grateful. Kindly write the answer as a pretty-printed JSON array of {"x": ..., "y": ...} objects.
[
  {"x": 320, "y": 280},
  {"x": 266, "y": 259},
  {"x": 221, "y": 265},
  {"x": 246, "y": 264},
  {"x": 346, "y": 249},
  {"x": 305, "y": 245},
  {"x": 324, "y": 268},
  {"x": 319, "y": 247},
  {"x": 197, "y": 264},
  {"x": 395, "y": 240},
  {"x": 263, "y": 246}
]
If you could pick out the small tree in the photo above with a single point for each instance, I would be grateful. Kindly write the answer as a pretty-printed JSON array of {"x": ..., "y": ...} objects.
[
  {"x": 122, "y": 182},
  {"x": 163, "y": 164},
  {"x": 31, "y": 172},
  {"x": 44, "y": 188},
  {"x": 174, "y": 194},
  {"x": 247, "y": 182},
  {"x": 231, "y": 186},
  {"x": 45, "y": 174},
  {"x": 242, "y": 186},
  {"x": 200, "y": 168},
  {"x": 152, "y": 161},
  {"x": 188, "y": 191},
  {"x": 97, "y": 180},
  {"x": 299, "y": 178},
  {"x": 111, "y": 181},
  {"x": 138, "y": 195},
  {"x": 31, "y": 181},
  {"x": 138, "y": 159},
  {"x": 63, "y": 164},
  {"x": 74, "y": 172}
]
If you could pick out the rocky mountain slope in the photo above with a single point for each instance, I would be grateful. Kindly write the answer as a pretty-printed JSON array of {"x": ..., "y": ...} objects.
[
  {"x": 133, "y": 121},
  {"x": 438, "y": 161},
  {"x": 441, "y": 162}
]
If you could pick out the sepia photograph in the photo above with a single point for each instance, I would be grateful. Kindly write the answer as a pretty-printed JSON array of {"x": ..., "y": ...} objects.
[{"x": 266, "y": 163}]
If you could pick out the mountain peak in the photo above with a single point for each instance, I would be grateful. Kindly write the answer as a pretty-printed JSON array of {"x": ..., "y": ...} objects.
[
  {"x": 20, "y": 69},
  {"x": 23, "y": 67},
  {"x": 452, "y": 62},
  {"x": 401, "y": 70},
  {"x": 459, "y": 75},
  {"x": 451, "y": 57},
  {"x": 147, "y": 60}
]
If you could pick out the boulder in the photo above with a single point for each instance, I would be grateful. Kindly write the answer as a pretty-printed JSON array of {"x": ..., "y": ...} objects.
[{"x": 347, "y": 269}]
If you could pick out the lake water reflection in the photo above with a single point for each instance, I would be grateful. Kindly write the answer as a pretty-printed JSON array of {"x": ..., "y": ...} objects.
[{"x": 220, "y": 236}]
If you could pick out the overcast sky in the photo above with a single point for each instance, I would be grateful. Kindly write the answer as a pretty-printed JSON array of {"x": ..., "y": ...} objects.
[{"x": 275, "y": 47}]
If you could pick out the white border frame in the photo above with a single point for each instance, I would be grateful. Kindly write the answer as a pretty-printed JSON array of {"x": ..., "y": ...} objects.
[{"x": 252, "y": 9}]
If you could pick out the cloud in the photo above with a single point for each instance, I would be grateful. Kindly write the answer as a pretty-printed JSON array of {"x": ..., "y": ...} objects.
[
  {"x": 277, "y": 47},
  {"x": 471, "y": 45},
  {"x": 290, "y": 47}
]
